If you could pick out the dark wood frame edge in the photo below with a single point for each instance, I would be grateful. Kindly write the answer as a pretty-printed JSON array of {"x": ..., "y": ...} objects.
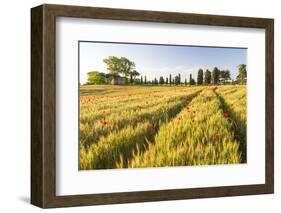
[{"x": 43, "y": 107}]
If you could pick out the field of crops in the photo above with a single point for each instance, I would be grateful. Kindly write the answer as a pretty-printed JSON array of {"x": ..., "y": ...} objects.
[{"x": 142, "y": 126}]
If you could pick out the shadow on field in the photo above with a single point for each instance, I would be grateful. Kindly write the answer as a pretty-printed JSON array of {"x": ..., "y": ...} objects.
[{"x": 238, "y": 127}]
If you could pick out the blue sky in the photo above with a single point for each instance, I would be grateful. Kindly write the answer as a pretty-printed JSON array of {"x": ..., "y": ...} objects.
[{"x": 161, "y": 60}]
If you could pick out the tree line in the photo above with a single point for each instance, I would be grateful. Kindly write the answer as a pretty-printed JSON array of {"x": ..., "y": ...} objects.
[{"x": 123, "y": 67}]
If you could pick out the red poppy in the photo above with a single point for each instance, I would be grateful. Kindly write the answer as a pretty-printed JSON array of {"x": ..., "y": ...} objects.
[
  {"x": 217, "y": 136},
  {"x": 103, "y": 122},
  {"x": 226, "y": 114},
  {"x": 151, "y": 126}
]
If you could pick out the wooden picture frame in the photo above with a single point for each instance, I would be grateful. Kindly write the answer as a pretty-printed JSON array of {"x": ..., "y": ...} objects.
[{"x": 43, "y": 105}]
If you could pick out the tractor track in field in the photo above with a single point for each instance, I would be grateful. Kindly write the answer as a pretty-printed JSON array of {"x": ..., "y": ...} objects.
[
  {"x": 236, "y": 126},
  {"x": 190, "y": 98},
  {"x": 142, "y": 149},
  {"x": 172, "y": 146}
]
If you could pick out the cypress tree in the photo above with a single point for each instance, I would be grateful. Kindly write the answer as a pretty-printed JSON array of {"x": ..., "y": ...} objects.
[
  {"x": 215, "y": 75},
  {"x": 208, "y": 77},
  {"x": 170, "y": 79},
  {"x": 200, "y": 77}
]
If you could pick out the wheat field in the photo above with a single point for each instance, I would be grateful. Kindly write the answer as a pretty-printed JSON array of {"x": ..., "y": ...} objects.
[{"x": 157, "y": 126}]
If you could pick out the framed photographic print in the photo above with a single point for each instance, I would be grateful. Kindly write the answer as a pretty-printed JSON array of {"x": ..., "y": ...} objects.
[{"x": 135, "y": 106}]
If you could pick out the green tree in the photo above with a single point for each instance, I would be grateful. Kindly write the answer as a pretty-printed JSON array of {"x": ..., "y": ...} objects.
[
  {"x": 177, "y": 79},
  {"x": 133, "y": 74},
  {"x": 227, "y": 75},
  {"x": 215, "y": 75},
  {"x": 200, "y": 77},
  {"x": 127, "y": 67},
  {"x": 191, "y": 80},
  {"x": 94, "y": 77},
  {"x": 145, "y": 79},
  {"x": 161, "y": 80},
  {"x": 113, "y": 65},
  {"x": 122, "y": 65},
  {"x": 131, "y": 78},
  {"x": 185, "y": 82},
  {"x": 208, "y": 77},
  {"x": 167, "y": 80},
  {"x": 242, "y": 75},
  {"x": 224, "y": 76},
  {"x": 141, "y": 81},
  {"x": 155, "y": 81},
  {"x": 170, "y": 79}
]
